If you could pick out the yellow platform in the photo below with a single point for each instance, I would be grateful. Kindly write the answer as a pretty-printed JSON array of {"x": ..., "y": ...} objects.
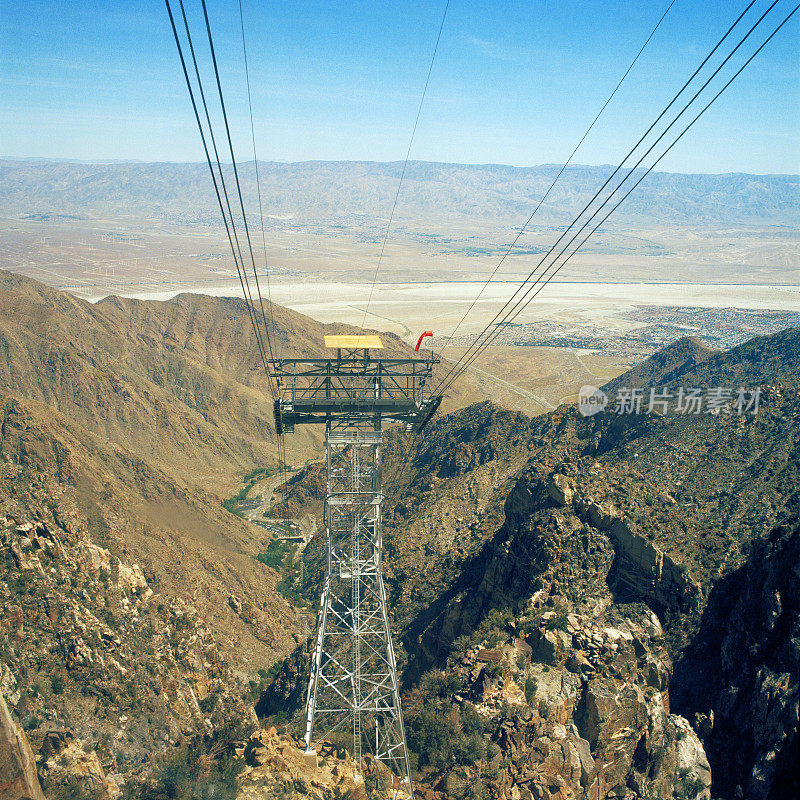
[{"x": 354, "y": 342}]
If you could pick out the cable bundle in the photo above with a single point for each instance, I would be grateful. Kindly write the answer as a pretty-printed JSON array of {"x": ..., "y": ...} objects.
[
  {"x": 558, "y": 255},
  {"x": 257, "y": 316}
]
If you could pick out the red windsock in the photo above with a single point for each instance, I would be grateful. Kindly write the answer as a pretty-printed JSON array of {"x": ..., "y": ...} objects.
[{"x": 419, "y": 341}]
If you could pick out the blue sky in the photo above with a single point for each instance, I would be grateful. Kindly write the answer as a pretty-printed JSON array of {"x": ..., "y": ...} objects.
[{"x": 514, "y": 82}]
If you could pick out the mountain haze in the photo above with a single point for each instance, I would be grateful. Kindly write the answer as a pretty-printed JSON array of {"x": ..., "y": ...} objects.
[{"x": 331, "y": 192}]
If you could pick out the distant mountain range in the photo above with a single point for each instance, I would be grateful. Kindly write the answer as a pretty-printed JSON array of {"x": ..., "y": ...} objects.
[{"x": 345, "y": 192}]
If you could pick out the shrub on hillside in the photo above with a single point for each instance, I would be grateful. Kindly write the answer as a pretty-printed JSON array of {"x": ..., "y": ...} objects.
[
  {"x": 201, "y": 768},
  {"x": 442, "y": 733}
]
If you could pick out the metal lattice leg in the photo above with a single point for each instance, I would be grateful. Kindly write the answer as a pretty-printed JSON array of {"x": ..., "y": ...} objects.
[{"x": 353, "y": 682}]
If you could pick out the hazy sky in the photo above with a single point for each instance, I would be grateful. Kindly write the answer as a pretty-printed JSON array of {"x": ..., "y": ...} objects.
[{"x": 514, "y": 82}]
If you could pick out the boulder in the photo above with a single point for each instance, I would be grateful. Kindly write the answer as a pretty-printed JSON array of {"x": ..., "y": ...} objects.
[
  {"x": 18, "y": 778},
  {"x": 560, "y": 489},
  {"x": 97, "y": 559},
  {"x": 599, "y": 516},
  {"x": 132, "y": 579},
  {"x": 77, "y": 766},
  {"x": 694, "y": 772},
  {"x": 8, "y": 685},
  {"x": 585, "y": 758}
]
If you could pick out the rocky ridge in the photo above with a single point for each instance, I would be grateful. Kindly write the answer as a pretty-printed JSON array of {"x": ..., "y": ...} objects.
[
  {"x": 101, "y": 671},
  {"x": 680, "y": 497},
  {"x": 276, "y": 765},
  {"x": 612, "y": 509},
  {"x": 579, "y": 707}
]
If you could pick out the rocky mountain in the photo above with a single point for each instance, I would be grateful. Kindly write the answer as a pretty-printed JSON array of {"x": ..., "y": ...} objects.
[
  {"x": 685, "y": 503},
  {"x": 739, "y": 677},
  {"x": 544, "y": 533},
  {"x": 666, "y": 366},
  {"x": 331, "y": 192},
  {"x": 608, "y": 607},
  {"x": 102, "y": 671},
  {"x": 133, "y": 613}
]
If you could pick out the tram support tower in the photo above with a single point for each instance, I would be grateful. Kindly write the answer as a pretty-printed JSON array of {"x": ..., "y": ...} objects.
[{"x": 352, "y": 688}]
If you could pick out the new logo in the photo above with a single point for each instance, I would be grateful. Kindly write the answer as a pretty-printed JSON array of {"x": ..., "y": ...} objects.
[{"x": 591, "y": 400}]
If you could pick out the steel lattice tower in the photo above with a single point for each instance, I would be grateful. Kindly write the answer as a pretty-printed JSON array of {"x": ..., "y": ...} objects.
[{"x": 353, "y": 685}]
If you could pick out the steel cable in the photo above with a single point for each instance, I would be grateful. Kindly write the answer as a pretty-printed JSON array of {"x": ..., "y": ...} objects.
[
  {"x": 486, "y": 331},
  {"x": 527, "y": 297},
  {"x": 451, "y": 377},
  {"x": 281, "y": 441},
  {"x": 219, "y": 183},
  {"x": 230, "y": 147},
  {"x": 405, "y": 165},
  {"x": 229, "y": 227},
  {"x": 555, "y": 180}
]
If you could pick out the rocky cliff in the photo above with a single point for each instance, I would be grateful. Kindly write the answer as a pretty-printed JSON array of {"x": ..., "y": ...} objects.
[
  {"x": 17, "y": 765},
  {"x": 575, "y": 700},
  {"x": 739, "y": 677},
  {"x": 612, "y": 509},
  {"x": 101, "y": 671},
  {"x": 671, "y": 512}
]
